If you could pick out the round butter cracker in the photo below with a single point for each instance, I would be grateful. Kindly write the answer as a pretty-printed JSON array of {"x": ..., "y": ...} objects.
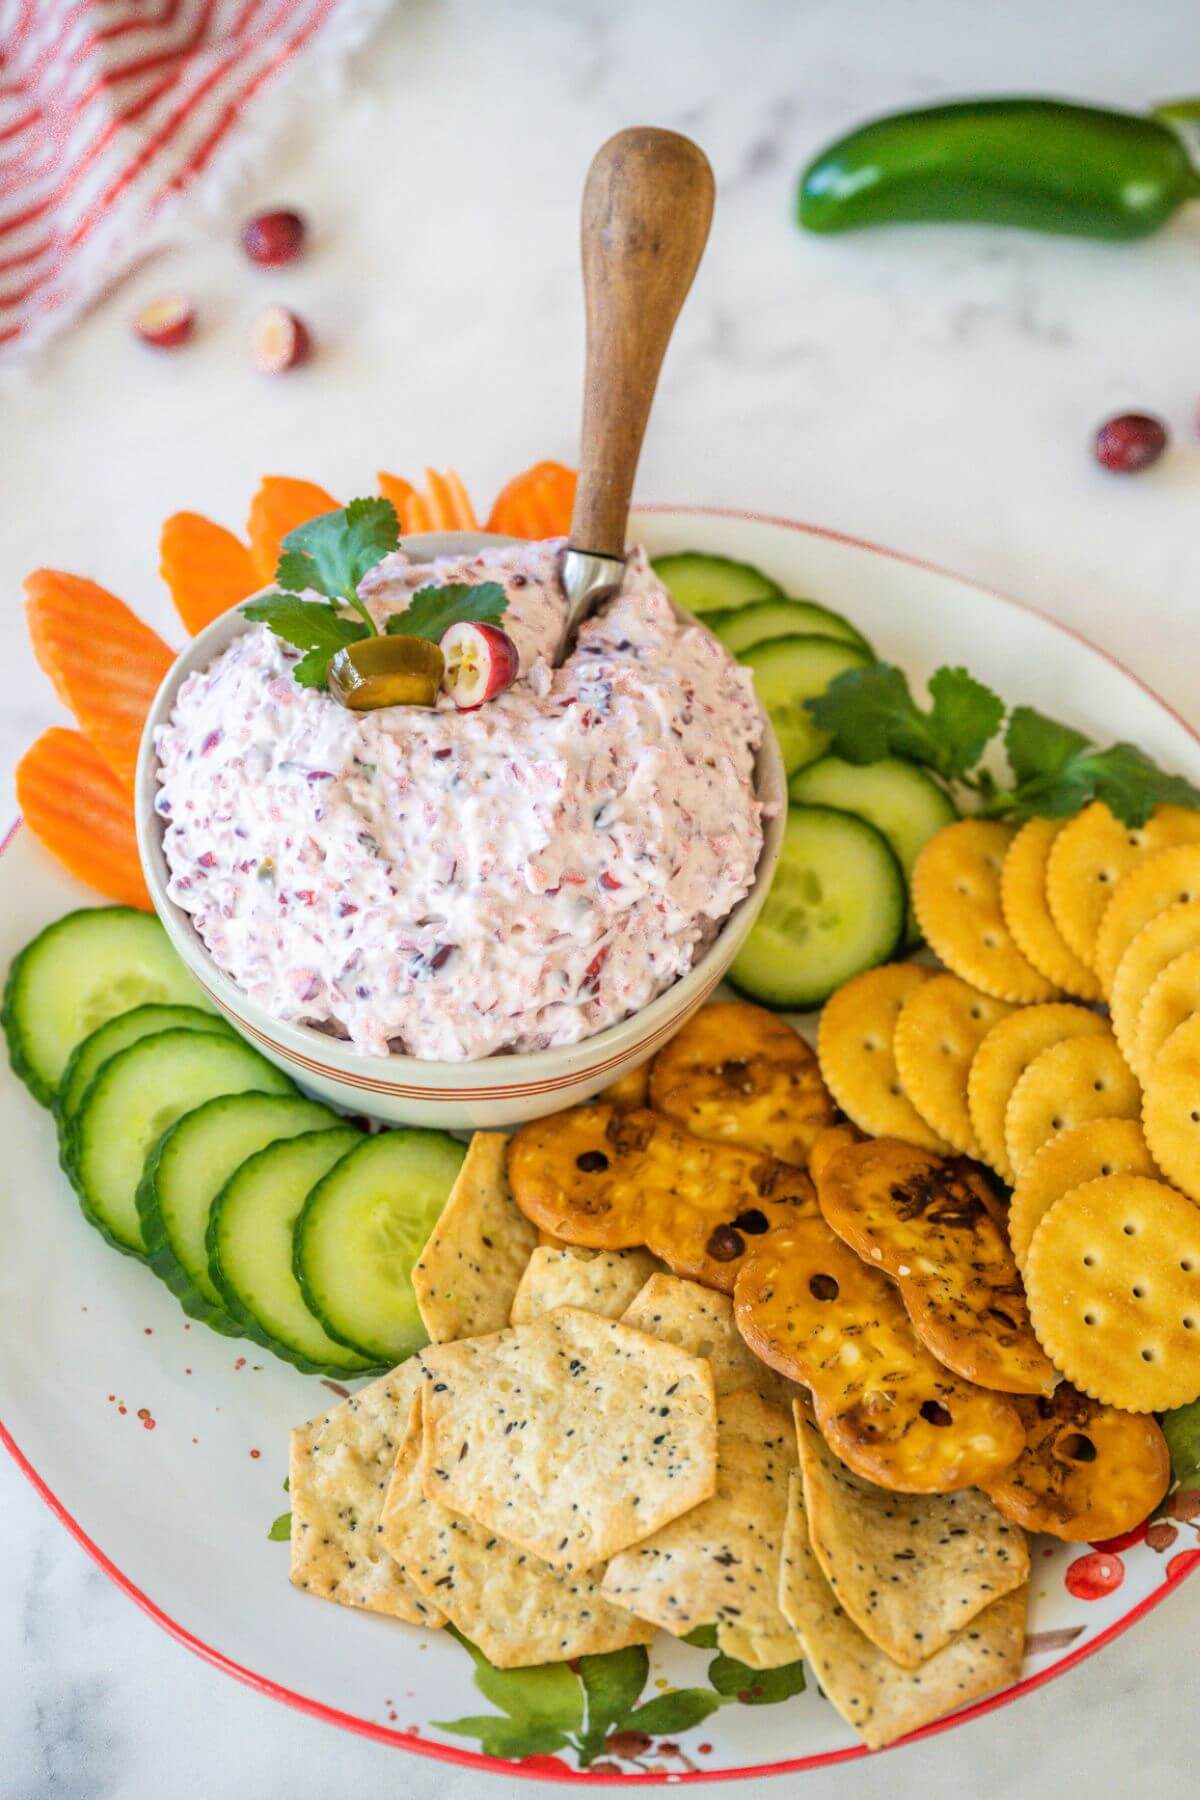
[
  {"x": 1168, "y": 878},
  {"x": 857, "y": 1058},
  {"x": 1113, "y": 1280},
  {"x": 941, "y": 1025},
  {"x": 1171, "y": 1116},
  {"x": 1002, "y": 1059},
  {"x": 1065, "y": 1161},
  {"x": 1027, "y": 914},
  {"x": 1156, "y": 944},
  {"x": 1085, "y": 1078},
  {"x": 1091, "y": 854},
  {"x": 1173, "y": 996},
  {"x": 956, "y": 899}
]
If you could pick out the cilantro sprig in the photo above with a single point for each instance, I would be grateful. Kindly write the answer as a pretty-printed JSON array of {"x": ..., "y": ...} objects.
[
  {"x": 870, "y": 713},
  {"x": 329, "y": 556}
]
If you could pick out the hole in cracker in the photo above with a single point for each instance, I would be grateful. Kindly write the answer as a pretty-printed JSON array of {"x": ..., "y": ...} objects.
[
  {"x": 1077, "y": 1448},
  {"x": 725, "y": 1244},
  {"x": 1089, "y": 1261},
  {"x": 752, "y": 1222},
  {"x": 1139, "y": 1292},
  {"x": 1089, "y": 1318},
  {"x": 823, "y": 1287},
  {"x": 934, "y": 1413},
  {"x": 1099, "y": 1084},
  {"x": 1107, "y": 1169},
  {"x": 1189, "y": 1324},
  {"x": 591, "y": 1162},
  {"x": 1195, "y": 1116},
  {"x": 1129, "y": 1230},
  {"x": 1147, "y": 1356},
  {"x": 1186, "y": 1264}
]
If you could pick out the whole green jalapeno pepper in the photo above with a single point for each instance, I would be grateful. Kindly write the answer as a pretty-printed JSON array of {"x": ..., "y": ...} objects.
[{"x": 1047, "y": 165}]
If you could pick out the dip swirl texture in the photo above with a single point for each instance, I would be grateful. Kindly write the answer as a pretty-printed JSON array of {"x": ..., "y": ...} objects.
[{"x": 451, "y": 885}]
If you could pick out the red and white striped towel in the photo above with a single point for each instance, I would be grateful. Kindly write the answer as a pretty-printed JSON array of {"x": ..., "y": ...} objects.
[{"x": 112, "y": 111}]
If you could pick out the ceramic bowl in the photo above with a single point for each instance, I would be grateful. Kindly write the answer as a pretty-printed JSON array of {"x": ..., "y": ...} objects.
[{"x": 495, "y": 1091}]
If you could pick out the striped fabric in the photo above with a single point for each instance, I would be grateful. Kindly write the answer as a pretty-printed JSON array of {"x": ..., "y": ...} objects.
[{"x": 110, "y": 112}]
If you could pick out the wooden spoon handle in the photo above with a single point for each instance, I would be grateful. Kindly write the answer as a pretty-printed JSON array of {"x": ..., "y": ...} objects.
[{"x": 647, "y": 207}]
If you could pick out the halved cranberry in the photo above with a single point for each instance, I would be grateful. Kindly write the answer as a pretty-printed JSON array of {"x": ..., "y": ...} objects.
[
  {"x": 481, "y": 662},
  {"x": 165, "y": 324},
  {"x": 281, "y": 340}
]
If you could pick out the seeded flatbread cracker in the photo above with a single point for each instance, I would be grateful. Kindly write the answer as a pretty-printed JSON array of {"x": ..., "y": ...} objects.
[
  {"x": 855, "y": 1048},
  {"x": 1083, "y": 1153},
  {"x": 739, "y": 1074},
  {"x": 573, "y": 1437},
  {"x": 614, "y": 1180},
  {"x": 467, "y": 1274},
  {"x": 1156, "y": 945},
  {"x": 1113, "y": 1279},
  {"x": 878, "y": 1698},
  {"x": 1027, "y": 912},
  {"x": 700, "y": 1321},
  {"x": 338, "y": 1474},
  {"x": 935, "y": 1226},
  {"x": 1173, "y": 996},
  {"x": 1002, "y": 1058},
  {"x": 719, "y": 1563},
  {"x": 601, "y": 1281},
  {"x": 515, "y": 1608},
  {"x": 1171, "y": 1117},
  {"x": 956, "y": 897},
  {"x": 1068, "y": 1084},
  {"x": 1091, "y": 854},
  {"x": 910, "y": 1569},
  {"x": 1087, "y": 1472},
  {"x": 806, "y": 1304},
  {"x": 941, "y": 1025},
  {"x": 630, "y": 1089},
  {"x": 1168, "y": 878}
]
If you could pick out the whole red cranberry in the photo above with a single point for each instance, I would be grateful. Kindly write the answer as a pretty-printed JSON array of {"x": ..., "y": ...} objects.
[
  {"x": 273, "y": 238},
  {"x": 1129, "y": 442}
]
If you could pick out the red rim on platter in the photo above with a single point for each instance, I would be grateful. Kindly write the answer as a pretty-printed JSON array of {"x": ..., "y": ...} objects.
[{"x": 549, "y": 1768}]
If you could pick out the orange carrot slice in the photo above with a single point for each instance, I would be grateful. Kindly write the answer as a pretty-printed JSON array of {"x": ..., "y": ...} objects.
[
  {"x": 536, "y": 503},
  {"x": 207, "y": 569},
  {"x": 281, "y": 504},
  {"x": 105, "y": 664},
  {"x": 412, "y": 508},
  {"x": 449, "y": 504},
  {"x": 75, "y": 806}
]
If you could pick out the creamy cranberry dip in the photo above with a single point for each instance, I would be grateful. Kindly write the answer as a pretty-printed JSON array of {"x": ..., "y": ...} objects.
[{"x": 453, "y": 884}]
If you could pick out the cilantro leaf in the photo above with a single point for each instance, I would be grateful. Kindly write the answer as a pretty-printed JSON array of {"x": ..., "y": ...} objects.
[
  {"x": 332, "y": 553},
  {"x": 432, "y": 610},
  {"x": 965, "y": 716},
  {"x": 1056, "y": 771},
  {"x": 308, "y": 625},
  {"x": 870, "y": 713}
]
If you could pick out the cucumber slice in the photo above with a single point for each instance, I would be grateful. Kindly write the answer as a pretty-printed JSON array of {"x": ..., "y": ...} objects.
[
  {"x": 131, "y": 1102},
  {"x": 360, "y": 1233},
  {"x": 706, "y": 584},
  {"x": 765, "y": 619},
  {"x": 186, "y": 1171},
  {"x": 836, "y": 907},
  {"x": 127, "y": 1028},
  {"x": 75, "y": 976},
  {"x": 897, "y": 797},
  {"x": 787, "y": 672},
  {"x": 250, "y": 1232}
]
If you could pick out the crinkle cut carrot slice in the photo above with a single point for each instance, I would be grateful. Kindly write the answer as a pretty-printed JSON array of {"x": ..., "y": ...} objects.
[
  {"x": 76, "y": 807},
  {"x": 536, "y": 504},
  {"x": 106, "y": 665},
  {"x": 449, "y": 503},
  {"x": 207, "y": 569},
  {"x": 281, "y": 504}
]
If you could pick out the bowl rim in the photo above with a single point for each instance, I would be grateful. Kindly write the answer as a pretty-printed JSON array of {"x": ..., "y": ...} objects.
[{"x": 509, "y": 1075}]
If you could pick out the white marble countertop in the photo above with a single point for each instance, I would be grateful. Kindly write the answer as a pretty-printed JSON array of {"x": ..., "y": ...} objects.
[{"x": 932, "y": 389}]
